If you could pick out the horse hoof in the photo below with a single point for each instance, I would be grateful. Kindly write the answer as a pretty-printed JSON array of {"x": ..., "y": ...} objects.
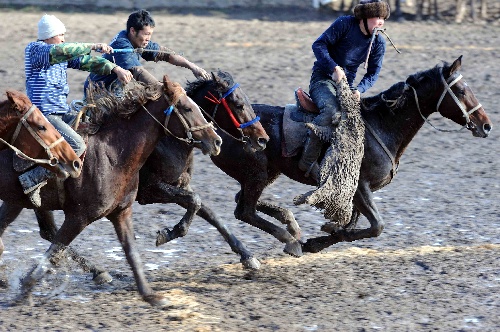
[
  {"x": 2, "y": 248},
  {"x": 103, "y": 278},
  {"x": 156, "y": 300},
  {"x": 329, "y": 228},
  {"x": 163, "y": 237},
  {"x": 300, "y": 199},
  {"x": 251, "y": 263},
  {"x": 293, "y": 249}
]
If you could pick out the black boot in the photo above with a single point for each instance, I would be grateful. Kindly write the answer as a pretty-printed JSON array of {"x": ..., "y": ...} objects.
[
  {"x": 32, "y": 181},
  {"x": 309, "y": 160}
]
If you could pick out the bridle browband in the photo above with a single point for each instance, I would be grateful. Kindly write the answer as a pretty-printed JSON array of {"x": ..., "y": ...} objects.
[
  {"x": 237, "y": 124},
  {"x": 52, "y": 161}
]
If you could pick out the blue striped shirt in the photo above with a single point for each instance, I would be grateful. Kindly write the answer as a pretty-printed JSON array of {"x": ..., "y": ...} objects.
[{"x": 47, "y": 85}]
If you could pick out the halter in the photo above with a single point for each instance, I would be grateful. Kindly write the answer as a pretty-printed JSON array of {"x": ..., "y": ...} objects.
[
  {"x": 237, "y": 124},
  {"x": 447, "y": 89},
  {"x": 52, "y": 161},
  {"x": 189, "y": 129}
]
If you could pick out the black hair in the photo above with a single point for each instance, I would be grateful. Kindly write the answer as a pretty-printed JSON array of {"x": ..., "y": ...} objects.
[{"x": 139, "y": 19}]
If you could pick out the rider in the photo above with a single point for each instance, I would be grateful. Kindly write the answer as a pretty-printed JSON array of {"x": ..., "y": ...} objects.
[
  {"x": 140, "y": 26},
  {"x": 339, "y": 51},
  {"x": 46, "y": 61}
]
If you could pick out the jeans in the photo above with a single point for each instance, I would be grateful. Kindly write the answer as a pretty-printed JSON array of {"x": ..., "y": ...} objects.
[
  {"x": 74, "y": 140},
  {"x": 324, "y": 95}
]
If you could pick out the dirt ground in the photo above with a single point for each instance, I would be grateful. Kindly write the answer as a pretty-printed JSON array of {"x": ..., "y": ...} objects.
[{"x": 436, "y": 266}]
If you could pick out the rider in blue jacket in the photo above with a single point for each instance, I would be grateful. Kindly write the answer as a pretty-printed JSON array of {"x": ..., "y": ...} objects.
[{"x": 339, "y": 51}]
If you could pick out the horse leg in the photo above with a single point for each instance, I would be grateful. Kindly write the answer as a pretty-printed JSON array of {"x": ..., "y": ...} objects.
[
  {"x": 246, "y": 257},
  {"x": 66, "y": 234},
  {"x": 122, "y": 221},
  {"x": 363, "y": 201},
  {"x": 285, "y": 216},
  {"x": 161, "y": 192},
  {"x": 8, "y": 213},
  {"x": 246, "y": 210},
  {"x": 48, "y": 230}
]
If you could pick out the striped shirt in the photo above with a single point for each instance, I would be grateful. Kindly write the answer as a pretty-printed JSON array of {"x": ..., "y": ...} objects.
[{"x": 47, "y": 84}]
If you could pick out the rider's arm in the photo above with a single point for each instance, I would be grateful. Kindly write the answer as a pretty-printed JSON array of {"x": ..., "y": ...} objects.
[{"x": 327, "y": 40}]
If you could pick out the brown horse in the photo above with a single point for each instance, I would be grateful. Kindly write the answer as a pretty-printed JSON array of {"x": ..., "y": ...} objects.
[
  {"x": 394, "y": 116},
  {"x": 110, "y": 175},
  {"x": 24, "y": 129}
]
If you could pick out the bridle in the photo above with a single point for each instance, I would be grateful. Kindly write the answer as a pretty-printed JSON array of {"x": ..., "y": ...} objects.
[
  {"x": 52, "y": 161},
  {"x": 452, "y": 80},
  {"x": 188, "y": 129},
  {"x": 222, "y": 100}
]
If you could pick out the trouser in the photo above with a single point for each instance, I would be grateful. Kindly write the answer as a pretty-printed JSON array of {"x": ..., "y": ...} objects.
[
  {"x": 73, "y": 139},
  {"x": 324, "y": 95}
]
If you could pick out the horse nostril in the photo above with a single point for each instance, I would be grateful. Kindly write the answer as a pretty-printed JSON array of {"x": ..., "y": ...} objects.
[
  {"x": 218, "y": 142},
  {"x": 487, "y": 128},
  {"x": 77, "y": 165},
  {"x": 263, "y": 141}
]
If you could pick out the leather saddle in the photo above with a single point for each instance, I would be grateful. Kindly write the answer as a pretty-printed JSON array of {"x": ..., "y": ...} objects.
[{"x": 294, "y": 119}]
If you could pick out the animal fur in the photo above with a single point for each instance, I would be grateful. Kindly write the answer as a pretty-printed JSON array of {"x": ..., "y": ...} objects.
[{"x": 340, "y": 167}]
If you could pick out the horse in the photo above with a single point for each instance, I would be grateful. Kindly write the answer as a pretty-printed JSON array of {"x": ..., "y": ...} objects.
[
  {"x": 390, "y": 127},
  {"x": 165, "y": 177},
  {"x": 109, "y": 181},
  {"x": 33, "y": 137}
]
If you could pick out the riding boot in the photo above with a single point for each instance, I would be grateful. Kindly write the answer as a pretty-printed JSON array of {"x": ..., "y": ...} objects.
[
  {"x": 32, "y": 181},
  {"x": 308, "y": 162}
]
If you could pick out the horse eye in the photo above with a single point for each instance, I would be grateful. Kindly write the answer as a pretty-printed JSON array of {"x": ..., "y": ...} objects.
[{"x": 42, "y": 128}]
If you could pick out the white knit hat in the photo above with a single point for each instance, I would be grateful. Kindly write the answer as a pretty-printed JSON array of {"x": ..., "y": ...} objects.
[{"x": 50, "y": 26}]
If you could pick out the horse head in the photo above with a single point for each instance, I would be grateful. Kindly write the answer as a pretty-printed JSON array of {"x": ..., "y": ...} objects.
[
  {"x": 35, "y": 137},
  {"x": 236, "y": 116},
  {"x": 189, "y": 121},
  {"x": 455, "y": 99}
]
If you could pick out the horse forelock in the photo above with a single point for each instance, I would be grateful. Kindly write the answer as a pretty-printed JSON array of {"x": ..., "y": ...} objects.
[
  {"x": 176, "y": 91},
  {"x": 194, "y": 87}
]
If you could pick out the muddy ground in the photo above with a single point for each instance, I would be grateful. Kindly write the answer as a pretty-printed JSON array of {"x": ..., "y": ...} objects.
[{"x": 436, "y": 266}]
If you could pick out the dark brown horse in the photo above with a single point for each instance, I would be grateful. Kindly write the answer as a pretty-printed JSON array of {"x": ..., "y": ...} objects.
[
  {"x": 110, "y": 175},
  {"x": 24, "y": 129},
  {"x": 166, "y": 175},
  {"x": 395, "y": 117}
]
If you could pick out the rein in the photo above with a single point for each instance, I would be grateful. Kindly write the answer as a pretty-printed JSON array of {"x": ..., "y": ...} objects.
[
  {"x": 189, "y": 129},
  {"x": 236, "y": 123},
  {"x": 52, "y": 161}
]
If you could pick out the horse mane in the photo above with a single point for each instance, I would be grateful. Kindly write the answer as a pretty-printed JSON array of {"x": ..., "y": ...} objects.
[
  {"x": 224, "y": 81},
  {"x": 395, "y": 98},
  {"x": 121, "y": 101}
]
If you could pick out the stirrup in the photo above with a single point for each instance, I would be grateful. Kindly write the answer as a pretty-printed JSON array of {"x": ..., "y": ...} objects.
[{"x": 34, "y": 194}]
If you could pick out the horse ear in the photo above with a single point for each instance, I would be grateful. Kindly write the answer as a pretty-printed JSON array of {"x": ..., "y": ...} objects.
[
  {"x": 17, "y": 99},
  {"x": 457, "y": 64},
  {"x": 167, "y": 84},
  {"x": 213, "y": 76}
]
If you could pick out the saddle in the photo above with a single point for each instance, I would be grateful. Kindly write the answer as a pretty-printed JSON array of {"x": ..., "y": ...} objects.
[{"x": 294, "y": 119}]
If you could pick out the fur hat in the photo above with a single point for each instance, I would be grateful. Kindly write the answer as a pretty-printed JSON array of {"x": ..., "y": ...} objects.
[
  {"x": 50, "y": 26},
  {"x": 372, "y": 8}
]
